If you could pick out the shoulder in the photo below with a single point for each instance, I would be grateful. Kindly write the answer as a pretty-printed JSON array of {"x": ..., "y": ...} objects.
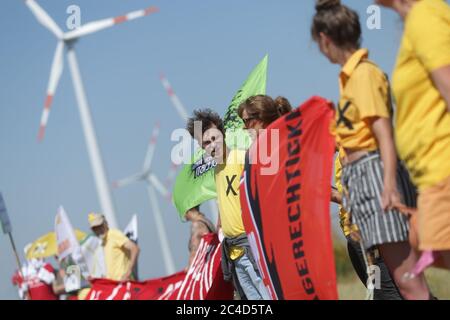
[
  {"x": 368, "y": 68},
  {"x": 425, "y": 14},
  {"x": 116, "y": 234}
]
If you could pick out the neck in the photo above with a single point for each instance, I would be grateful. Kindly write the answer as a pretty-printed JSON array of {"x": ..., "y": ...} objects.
[
  {"x": 403, "y": 7},
  {"x": 344, "y": 55},
  {"x": 196, "y": 217}
]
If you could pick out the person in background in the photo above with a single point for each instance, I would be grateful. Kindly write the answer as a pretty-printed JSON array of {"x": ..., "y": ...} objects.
[
  {"x": 238, "y": 263},
  {"x": 388, "y": 290},
  {"x": 374, "y": 181},
  {"x": 200, "y": 226},
  {"x": 421, "y": 87},
  {"x": 120, "y": 252},
  {"x": 35, "y": 281}
]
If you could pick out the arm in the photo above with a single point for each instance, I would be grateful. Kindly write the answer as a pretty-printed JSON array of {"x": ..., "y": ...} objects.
[
  {"x": 441, "y": 79},
  {"x": 134, "y": 250},
  {"x": 382, "y": 130},
  {"x": 197, "y": 232},
  {"x": 336, "y": 196}
]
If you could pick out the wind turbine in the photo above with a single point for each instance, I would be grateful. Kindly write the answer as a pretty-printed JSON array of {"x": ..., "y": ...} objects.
[
  {"x": 182, "y": 112},
  {"x": 153, "y": 184},
  {"x": 67, "y": 40}
]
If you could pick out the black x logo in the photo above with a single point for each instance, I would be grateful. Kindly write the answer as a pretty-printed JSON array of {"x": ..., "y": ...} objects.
[
  {"x": 342, "y": 118},
  {"x": 230, "y": 185}
]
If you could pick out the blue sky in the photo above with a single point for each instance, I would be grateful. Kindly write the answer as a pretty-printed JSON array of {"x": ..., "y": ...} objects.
[{"x": 206, "y": 49}]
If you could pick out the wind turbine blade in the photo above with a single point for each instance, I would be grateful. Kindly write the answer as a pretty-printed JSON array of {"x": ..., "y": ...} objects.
[
  {"x": 129, "y": 180},
  {"x": 170, "y": 178},
  {"x": 44, "y": 18},
  {"x": 158, "y": 185},
  {"x": 98, "y": 25},
  {"x": 151, "y": 148},
  {"x": 174, "y": 98},
  {"x": 162, "y": 234},
  {"x": 55, "y": 75}
]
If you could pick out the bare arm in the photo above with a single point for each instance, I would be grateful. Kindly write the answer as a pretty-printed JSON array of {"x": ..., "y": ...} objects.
[
  {"x": 134, "y": 250},
  {"x": 336, "y": 196},
  {"x": 197, "y": 232},
  {"x": 441, "y": 79},
  {"x": 382, "y": 129}
]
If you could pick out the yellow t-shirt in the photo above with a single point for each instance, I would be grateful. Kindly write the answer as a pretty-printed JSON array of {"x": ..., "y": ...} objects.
[
  {"x": 116, "y": 259},
  {"x": 422, "y": 120},
  {"x": 227, "y": 178},
  {"x": 364, "y": 93},
  {"x": 344, "y": 217}
]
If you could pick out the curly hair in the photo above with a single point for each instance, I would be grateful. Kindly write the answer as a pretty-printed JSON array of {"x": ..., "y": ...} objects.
[{"x": 208, "y": 118}]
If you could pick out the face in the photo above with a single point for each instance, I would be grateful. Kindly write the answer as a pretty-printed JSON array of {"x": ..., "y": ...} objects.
[
  {"x": 252, "y": 124},
  {"x": 213, "y": 143},
  {"x": 327, "y": 48},
  {"x": 100, "y": 231}
]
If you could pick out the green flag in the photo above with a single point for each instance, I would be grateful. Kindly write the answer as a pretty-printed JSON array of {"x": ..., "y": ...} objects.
[
  {"x": 195, "y": 183},
  {"x": 235, "y": 135}
]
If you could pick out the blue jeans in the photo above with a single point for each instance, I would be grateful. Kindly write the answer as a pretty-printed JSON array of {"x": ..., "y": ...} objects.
[{"x": 250, "y": 280}]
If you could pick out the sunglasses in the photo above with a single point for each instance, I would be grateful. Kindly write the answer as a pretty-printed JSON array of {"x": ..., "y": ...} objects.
[{"x": 247, "y": 120}]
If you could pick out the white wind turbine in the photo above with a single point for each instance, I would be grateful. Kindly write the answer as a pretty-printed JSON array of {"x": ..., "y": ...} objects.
[
  {"x": 153, "y": 183},
  {"x": 182, "y": 112},
  {"x": 67, "y": 40}
]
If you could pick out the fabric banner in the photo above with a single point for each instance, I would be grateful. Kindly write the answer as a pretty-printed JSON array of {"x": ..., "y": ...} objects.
[
  {"x": 286, "y": 212},
  {"x": 203, "y": 281}
]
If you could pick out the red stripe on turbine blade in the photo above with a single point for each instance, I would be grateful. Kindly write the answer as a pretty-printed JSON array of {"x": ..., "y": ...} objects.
[
  {"x": 41, "y": 133},
  {"x": 120, "y": 19},
  {"x": 153, "y": 140},
  {"x": 115, "y": 184},
  {"x": 170, "y": 92},
  {"x": 150, "y": 10},
  {"x": 48, "y": 101}
]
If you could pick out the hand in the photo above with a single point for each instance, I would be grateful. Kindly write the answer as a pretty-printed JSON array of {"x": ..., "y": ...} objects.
[
  {"x": 390, "y": 198},
  {"x": 126, "y": 276},
  {"x": 336, "y": 197}
]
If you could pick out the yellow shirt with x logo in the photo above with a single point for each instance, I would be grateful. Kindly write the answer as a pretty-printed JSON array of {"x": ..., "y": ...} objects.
[
  {"x": 364, "y": 94},
  {"x": 227, "y": 178}
]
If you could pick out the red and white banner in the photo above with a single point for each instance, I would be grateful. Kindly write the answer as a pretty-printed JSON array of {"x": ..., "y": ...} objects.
[
  {"x": 286, "y": 212},
  {"x": 203, "y": 281}
]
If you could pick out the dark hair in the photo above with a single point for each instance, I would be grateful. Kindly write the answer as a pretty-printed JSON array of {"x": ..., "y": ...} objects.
[
  {"x": 264, "y": 108},
  {"x": 208, "y": 118},
  {"x": 338, "y": 22}
]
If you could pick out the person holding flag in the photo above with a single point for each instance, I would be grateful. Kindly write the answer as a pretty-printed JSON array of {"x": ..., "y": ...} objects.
[
  {"x": 224, "y": 143},
  {"x": 238, "y": 263}
]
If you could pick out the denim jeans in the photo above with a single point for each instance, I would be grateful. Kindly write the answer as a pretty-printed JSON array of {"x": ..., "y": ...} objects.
[{"x": 250, "y": 280}]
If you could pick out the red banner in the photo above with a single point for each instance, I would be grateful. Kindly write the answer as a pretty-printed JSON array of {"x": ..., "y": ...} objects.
[
  {"x": 286, "y": 211},
  {"x": 203, "y": 281}
]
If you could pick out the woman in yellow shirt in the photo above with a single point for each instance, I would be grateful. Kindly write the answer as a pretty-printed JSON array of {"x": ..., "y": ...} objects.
[
  {"x": 421, "y": 86},
  {"x": 374, "y": 184}
]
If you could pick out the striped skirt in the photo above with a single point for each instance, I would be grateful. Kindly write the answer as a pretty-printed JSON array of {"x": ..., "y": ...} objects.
[{"x": 363, "y": 185}]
